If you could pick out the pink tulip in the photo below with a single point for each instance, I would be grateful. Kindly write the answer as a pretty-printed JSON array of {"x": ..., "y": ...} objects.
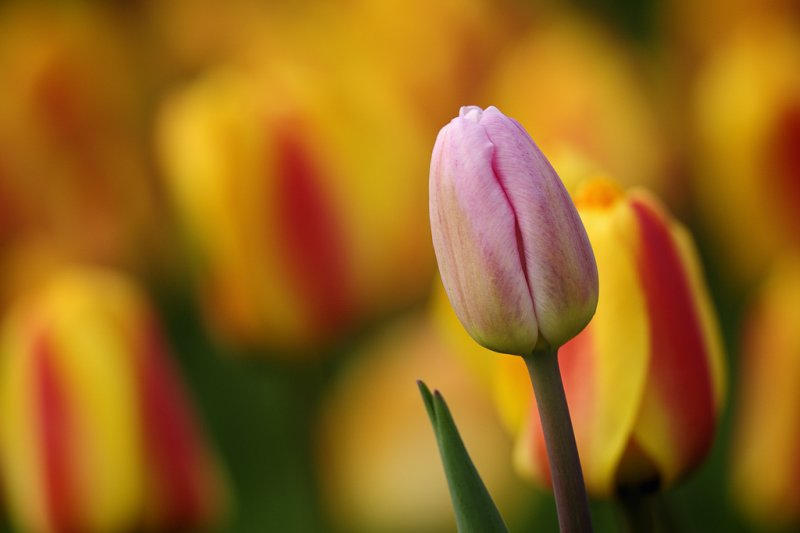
[{"x": 513, "y": 255}]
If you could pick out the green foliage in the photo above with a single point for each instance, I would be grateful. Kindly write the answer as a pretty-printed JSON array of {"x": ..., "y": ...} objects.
[{"x": 474, "y": 508}]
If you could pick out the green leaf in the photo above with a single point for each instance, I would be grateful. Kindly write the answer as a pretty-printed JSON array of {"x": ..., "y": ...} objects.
[{"x": 474, "y": 508}]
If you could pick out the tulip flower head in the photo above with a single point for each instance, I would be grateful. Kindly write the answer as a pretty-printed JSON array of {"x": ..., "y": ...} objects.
[
  {"x": 305, "y": 242},
  {"x": 96, "y": 434},
  {"x": 513, "y": 256},
  {"x": 764, "y": 464},
  {"x": 645, "y": 379}
]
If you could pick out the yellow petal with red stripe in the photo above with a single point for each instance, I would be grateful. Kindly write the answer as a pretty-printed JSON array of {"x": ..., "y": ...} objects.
[
  {"x": 675, "y": 425},
  {"x": 69, "y": 402},
  {"x": 607, "y": 369},
  {"x": 645, "y": 380},
  {"x": 605, "y": 366}
]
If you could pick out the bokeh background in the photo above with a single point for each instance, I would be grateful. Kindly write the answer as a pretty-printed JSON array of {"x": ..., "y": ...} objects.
[{"x": 249, "y": 180}]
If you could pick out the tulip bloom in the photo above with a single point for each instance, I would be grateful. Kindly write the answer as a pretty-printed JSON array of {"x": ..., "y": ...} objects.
[
  {"x": 645, "y": 379},
  {"x": 765, "y": 468},
  {"x": 746, "y": 154},
  {"x": 96, "y": 434},
  {"x": 513, "y": 255},
  {"x": 296, "y": 238}
]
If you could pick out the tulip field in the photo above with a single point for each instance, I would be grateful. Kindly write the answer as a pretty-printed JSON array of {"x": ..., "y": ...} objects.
[{"x": 399, "y": 266}]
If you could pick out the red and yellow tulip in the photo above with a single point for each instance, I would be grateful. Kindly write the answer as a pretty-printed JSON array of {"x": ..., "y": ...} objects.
[
  {"x": 747, "y": 126},
  {"x": 765, "y": 464},
  {"x": 303, "y": 198},
  {"x": 645, "y": 380},
  {"x": 96, "y": 433}
]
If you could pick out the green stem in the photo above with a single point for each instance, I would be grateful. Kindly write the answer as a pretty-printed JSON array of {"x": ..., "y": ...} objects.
[{"x": 572, "y": 504}]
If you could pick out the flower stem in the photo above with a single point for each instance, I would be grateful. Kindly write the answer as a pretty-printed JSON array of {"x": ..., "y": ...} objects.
[{"x": 572, "y": 504}]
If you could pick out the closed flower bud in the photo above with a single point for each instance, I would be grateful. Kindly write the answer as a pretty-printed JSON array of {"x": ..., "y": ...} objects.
[
  {"x": 645, "y": 379},
  {"x": 514, "y": 258},
  {"x": 96, "y": 434}
]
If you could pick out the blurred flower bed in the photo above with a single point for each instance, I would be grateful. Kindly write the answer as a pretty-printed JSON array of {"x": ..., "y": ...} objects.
[{"x": 217, "y": 282}]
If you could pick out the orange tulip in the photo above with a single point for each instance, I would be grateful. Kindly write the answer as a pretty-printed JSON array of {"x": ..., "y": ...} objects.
[
  {"x": 96, "y": 434},
  {"x": 645, "y": 379},
  {"x": 304, "y": 198},
  {"x": 765, "y": 467}
]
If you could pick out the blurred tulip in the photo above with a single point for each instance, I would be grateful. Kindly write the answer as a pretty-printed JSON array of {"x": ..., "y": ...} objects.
[
  {"x": 96, "y": 434},
  {"x": 594, "y": 104},
  {"x": 513, "y": 255},
  {"x": 747, "y": 120},
  {"x": 765, "y": 466},
  {"x": 695, "y": 29},
  {"x": 73, "y": 162},
  {"x": 379, "y": 463},
  {"x": 453, "y": 46},
  {"x": 645, "y": 379},
  {"x": 303, "y": 198}
]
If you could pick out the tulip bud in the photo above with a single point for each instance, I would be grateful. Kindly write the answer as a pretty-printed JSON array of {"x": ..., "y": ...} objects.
[
  {"x": 645, "y": 379},
  {"x": 514, "y": 258},
  {"x": 96, "y": 434},
  {"x": 764, "y": 464}
]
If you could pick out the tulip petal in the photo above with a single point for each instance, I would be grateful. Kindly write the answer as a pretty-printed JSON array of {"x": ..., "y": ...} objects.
[
  {"x": 676, "y": 421},
  {"x": 91, "y": 358},
  {"x": 708, "y": 318},
  {"x": 54, "y": 416},
  {"x": 604, "y": 368},
  {"x": 308, "y": 230},
  {"x": 766, "y": 465},
  {"x": 558, "y": 259},
  {"x": 183, "y": 490},
  {"x": 24, "y": 476},
  {"x": 618, "y": 348},
  {"x": 475, "y": 238}
]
